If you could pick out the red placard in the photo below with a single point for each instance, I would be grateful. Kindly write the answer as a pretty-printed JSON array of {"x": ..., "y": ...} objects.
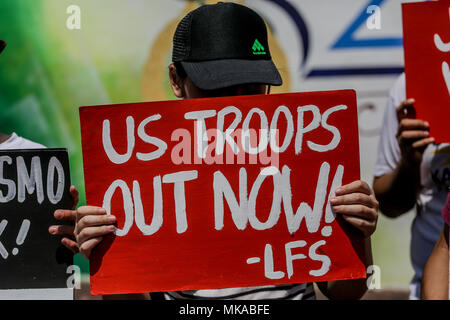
[
  {"x": 426, "y": 41},
  {"x": 190, "y": 220}
]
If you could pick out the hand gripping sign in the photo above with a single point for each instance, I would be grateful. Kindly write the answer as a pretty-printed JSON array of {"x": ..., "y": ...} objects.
[
  {"x": 222, "y": 192},
  {"x": 426, "y": 40}
]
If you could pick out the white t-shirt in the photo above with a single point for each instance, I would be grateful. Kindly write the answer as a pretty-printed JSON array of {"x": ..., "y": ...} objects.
[
  {"x": 16, "y": 142},
  {"x": 435, "y": 180}
]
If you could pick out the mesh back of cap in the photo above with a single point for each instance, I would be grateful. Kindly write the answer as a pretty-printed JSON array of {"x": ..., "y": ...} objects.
[{"x": 181, "y": 43}]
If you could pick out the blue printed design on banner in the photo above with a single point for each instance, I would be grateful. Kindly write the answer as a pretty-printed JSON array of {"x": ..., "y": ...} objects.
[{"x": 347, "y": 39}]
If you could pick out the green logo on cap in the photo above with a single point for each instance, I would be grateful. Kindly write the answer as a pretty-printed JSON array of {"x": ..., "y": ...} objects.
[{"x": 258, "y": 48}]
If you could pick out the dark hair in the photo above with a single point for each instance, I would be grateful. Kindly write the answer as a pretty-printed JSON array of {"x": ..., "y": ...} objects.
[{"x": 180, "y": 70}]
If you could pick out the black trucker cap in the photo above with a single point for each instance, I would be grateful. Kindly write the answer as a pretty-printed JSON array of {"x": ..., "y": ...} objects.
[
  {"x": 2, "y": 45},
  {"x": 223, "y": 45}
]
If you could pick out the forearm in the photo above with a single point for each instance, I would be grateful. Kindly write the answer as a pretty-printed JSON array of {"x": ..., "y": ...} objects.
[
  {"x": 397, "y": 191},
  {"x": 435, "y": 275},
  {"x": 348, "y": 289}
]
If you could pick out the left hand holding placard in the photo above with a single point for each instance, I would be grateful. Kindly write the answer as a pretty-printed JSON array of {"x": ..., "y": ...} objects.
[
  {"x": 358, "y": 206},
  {"x": 92, "y": 223}
]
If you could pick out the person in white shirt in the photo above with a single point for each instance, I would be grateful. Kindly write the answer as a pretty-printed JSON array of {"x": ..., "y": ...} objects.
[{"x": 412, "y": 170}]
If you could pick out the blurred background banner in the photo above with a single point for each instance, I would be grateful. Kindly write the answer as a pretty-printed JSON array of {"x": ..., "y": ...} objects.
[{"x": 63, "y": 54}]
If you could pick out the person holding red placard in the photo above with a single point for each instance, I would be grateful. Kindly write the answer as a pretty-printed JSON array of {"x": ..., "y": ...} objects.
[
  {"x": 435, "y": 275},
  {"x": 412, "y": 170},
  {"x": 210, "y": 60}
]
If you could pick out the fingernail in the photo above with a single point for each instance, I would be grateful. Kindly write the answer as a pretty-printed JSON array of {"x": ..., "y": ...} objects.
[
  {"x": 52, "y": 230},
  {"x": 333, "y": 200},
  {"x": 338, "y": 190},
  {"x": 112, "y": 219},
  {"x": 58, "y": 214}
]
